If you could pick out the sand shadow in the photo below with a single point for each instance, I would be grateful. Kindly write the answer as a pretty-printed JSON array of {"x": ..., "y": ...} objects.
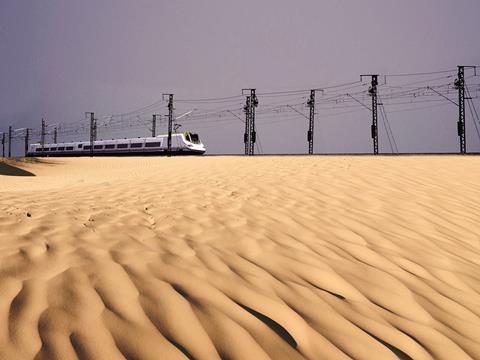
[
  {"x": 272, "y": 324},
  {"x": 34, "y": 160},
  {"x": 399, "y": 353},
  {"x": 10, "y": 170}
]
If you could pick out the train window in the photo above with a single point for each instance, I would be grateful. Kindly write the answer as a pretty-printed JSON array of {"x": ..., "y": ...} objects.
[
  {"x": 87, "y": 147},
  {"x": 61, "y": 148},
  {"x": 98, "y": 147},
  {"x": 53, "y": 149},
  {"x": 110, "y": 146},
  {"x": 152, "y": 144},
  {"x": 46, "y": 149},
  {"x": 122, "y": 146},
  {"x": 194, "y": 138},
  {"x": 69, "y": 148},
  {"x": 136, "y": 145},
  {"x": 80, "y": 146},
  {"x": 38, "y": 150}
]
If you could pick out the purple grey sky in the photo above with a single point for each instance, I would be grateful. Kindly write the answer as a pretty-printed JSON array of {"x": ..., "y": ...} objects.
[{"x": 60, "y": 58}]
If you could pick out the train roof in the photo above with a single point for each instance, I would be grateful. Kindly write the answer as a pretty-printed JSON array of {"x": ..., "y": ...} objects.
[{"x": 110, "y": 141}]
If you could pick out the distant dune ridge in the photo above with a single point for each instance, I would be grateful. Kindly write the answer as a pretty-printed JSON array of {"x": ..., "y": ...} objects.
[{"x": 241, "y": 258}]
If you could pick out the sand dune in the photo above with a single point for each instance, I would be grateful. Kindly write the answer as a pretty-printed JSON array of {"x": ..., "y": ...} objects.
[
  {"x": 241, "y": 258},
  {"x": 8, "y": 168}
]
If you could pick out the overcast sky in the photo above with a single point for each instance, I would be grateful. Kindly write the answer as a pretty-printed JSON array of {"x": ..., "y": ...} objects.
[{"x": 60, "y": 58}]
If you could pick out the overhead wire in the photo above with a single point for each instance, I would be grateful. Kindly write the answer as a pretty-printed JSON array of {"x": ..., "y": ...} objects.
[
  {"x": 281, "y": 104},
  {"x": 474, "y": 112},
  {"x": 473, "y": 119},
  {"x": 388, "y": 128},
  {"x": 421, "y": 73}
]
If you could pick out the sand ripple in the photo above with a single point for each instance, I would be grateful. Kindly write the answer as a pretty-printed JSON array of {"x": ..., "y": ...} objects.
[{"x": 241, "y": 258}]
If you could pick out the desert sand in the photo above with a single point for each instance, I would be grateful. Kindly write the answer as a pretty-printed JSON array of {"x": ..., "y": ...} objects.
[{"x": 241, "y": 258}]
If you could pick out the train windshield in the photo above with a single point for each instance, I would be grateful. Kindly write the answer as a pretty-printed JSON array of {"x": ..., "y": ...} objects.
[{"x": 195, "y": 138}]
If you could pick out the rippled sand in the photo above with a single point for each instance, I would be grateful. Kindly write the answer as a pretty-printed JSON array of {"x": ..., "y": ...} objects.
[{"x": 241, "y": 258}]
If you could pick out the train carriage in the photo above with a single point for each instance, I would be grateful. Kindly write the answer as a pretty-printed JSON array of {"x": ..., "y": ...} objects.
[{"x": 182, "y": 144}]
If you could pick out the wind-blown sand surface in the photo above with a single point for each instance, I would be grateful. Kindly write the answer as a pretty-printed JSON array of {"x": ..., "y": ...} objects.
[{"x": 241, "y": 258}]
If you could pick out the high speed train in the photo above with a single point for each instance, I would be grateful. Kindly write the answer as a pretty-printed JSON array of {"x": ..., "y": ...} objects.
[{"x": 182, "y": 144}]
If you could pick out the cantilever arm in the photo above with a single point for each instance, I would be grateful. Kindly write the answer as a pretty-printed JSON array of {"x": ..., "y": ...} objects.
[
  {"x": 238, "y": 117},
  {"x": 358, "y": 101},
  {"x": 291, "y": 107},
  {"x": 435, "y": 91}
]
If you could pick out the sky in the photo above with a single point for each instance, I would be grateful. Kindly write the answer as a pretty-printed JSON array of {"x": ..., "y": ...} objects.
[{"x": 62, "y": 58}]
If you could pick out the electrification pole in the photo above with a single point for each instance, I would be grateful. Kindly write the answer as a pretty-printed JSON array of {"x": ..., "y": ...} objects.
[
  {"x": 253, "y": 133},
  {"x": 460, "y": 85},
  {"x": 373, "y": 93},
  {"x": 9, "y": 141},
  {"x": 311, "y": 104},
  {"x": 154, "y": 125},
  {"x": 170, "y": 123},
  {"x": 246, "y": 135},
  {"x": 42, "y": 136},
  {"x": 55, "y": 133},
  {"x": 27, "y": 138},
  {"x": 252, "y": 103},
  {"x": 3, "y": 144},
  {"x": 92, "y": 130}
]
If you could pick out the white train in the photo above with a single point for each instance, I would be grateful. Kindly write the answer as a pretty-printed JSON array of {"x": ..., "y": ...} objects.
[{"x": 182, "y": 144}]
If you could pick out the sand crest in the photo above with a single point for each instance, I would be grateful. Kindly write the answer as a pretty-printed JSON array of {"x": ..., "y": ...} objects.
[{"x": 241, "y": 258}]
